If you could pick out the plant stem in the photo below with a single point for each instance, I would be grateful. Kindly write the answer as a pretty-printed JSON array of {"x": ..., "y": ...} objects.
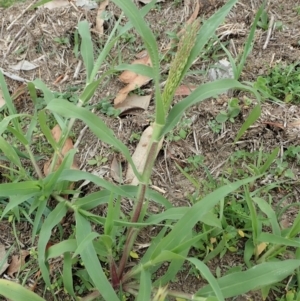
[
  {"x": 36, "y": 167},
  {"x": 132, "y": 232}
]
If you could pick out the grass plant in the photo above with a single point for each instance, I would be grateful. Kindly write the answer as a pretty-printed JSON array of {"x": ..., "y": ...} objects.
[{"x": 180, "y": 229}]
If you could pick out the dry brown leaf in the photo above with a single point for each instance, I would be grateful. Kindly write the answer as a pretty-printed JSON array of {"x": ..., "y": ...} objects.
[
  {"x": 133, "y": 80},
  {"x": 99, "y": 19},
  {"x": 134, "y": 102},
  {"x": 140, "y": 155},
  {"x": 2, "y": 100},
  {"x": 56, "y": 133},
  {"x": 17, "y": 262},
  {"x": 185, "y": 90},
  {"x": 116, "y": 170},
  {"x": 5, "y": 265}
]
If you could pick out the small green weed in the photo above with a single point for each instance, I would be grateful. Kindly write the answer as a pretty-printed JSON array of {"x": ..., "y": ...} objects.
[
  {"x": 233, "y": 110},
  {"x": 215, "y": 126},
  {"x": 182, "y": 130},
  {"x": 106, "y": 107},
  {"x": 282, "y": 82}
]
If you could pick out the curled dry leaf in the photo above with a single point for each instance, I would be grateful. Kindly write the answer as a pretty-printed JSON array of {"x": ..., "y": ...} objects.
[
  {"x": 99, "y": 18},
  {"x": 56, "y": 134},
  {"x": 133, "y": 102},
  {"x": 116, "y": 170},
  {"x": 17, "y": 261},
  {"x": 140, "y": 155},
  {"x": 133, "y": 80},
  {"x": 185, "y": 90},
  {"x": 24, "y": 65},
  {"x": 4, "y": 265}
]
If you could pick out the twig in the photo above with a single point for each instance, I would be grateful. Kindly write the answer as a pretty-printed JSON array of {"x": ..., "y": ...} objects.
[
  {"x": 22, "y": 13},
  {"x": 78, "y": 67},
  {"x": 17, "y": 36},
  {"x": 14, "y": 76},
  {"x": 82, "y": 132},
  {"x": 270, "y": 29}
]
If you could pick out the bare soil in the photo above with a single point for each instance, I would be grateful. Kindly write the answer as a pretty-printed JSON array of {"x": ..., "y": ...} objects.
[{"x": 33, "y": 37}]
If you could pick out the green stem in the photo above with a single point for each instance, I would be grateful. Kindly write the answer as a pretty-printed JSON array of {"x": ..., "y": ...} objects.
[
  {"x": 36, "y": 167},
  {"x": 132, "y": 232}
]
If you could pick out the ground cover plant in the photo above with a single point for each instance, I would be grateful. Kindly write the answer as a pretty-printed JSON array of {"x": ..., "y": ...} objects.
[{"x": 97, "y": 249}]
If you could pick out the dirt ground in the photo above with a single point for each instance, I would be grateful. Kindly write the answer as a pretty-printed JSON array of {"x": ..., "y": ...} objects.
[{"x": 34, "y": 37}]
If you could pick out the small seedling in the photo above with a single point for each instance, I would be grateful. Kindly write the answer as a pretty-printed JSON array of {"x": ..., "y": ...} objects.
[
  {"x": 215, "y": 126},
  {"x": 233, "y": 110},
  {"x": 282, "y": 82},
  {"x": 98, "y": 160},
  {"x": 263, "y": 22},
  {"x": 134, "y": 137},
  {"x": 107, "y": 108},
  {"x": 62, "y": 40}
]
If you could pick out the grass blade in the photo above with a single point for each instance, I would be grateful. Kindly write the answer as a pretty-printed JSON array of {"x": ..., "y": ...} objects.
[
  {"x": 239, "y": 283},
  {"x": 51, "y": 221},
  {"x": 16, "y": 292},
  {"x": 86, "y": 48},
  {"x": 253, "y": 116},
  {"x": 191, "y": 217},
  {"x": 91, "y": 261},
  {"x": 145, "y": 286},
  {"x": 206, "y": 273},
  {"x": 200, "y": 94},
  {"x": 97, "y": 126}
]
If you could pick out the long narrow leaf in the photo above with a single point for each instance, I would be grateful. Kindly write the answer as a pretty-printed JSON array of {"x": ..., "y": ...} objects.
[
  {"x": 16, "y": 292},
  {"x": 191, "y": 217},
  {"x": 91, "y": 261},
  {"x": 97, "y": 126},
  {"x": 51, "y": 221},
  {"x": 200, "y": 94},
  {"x": 239, "y": 283}
]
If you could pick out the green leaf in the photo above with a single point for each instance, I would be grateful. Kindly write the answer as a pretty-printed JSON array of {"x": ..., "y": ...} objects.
[
  {"x": 60, "y": 248},
  {"x": 51, "y": 221},
  {"x": 15, "y": 201},
  {"x": 89, "y": 91},
  {"x": 207, "y": 31},
  {"x": 136, "y": 68},
  {"x": 206, "y": 273},
  {"x": 16, "y": 292},
  {"x": 67, "y": 275},
  {"x": 97, "y": 126},
  {"x": 253, "y": 116},
  {"x": 86, "y": 48},
  {"x": 267, "y": 209},
  {"x": 91, "y": 261},
  {"x": 78, "y": 175},
  {"x": 87, "y": 240},
  {"x": 10, "y": 153},
  {"x": 200, "y": 94},
  {"x": 239, "y": 283},
  {"x": 20, "y": 188},
  {"x": 193, "y": 215},
  {"x": 269, "y": 161},
  {"x": 279, "y": 240},
  {"x": 145, "y": 286},
  {"x": 139, "y": 24}
]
